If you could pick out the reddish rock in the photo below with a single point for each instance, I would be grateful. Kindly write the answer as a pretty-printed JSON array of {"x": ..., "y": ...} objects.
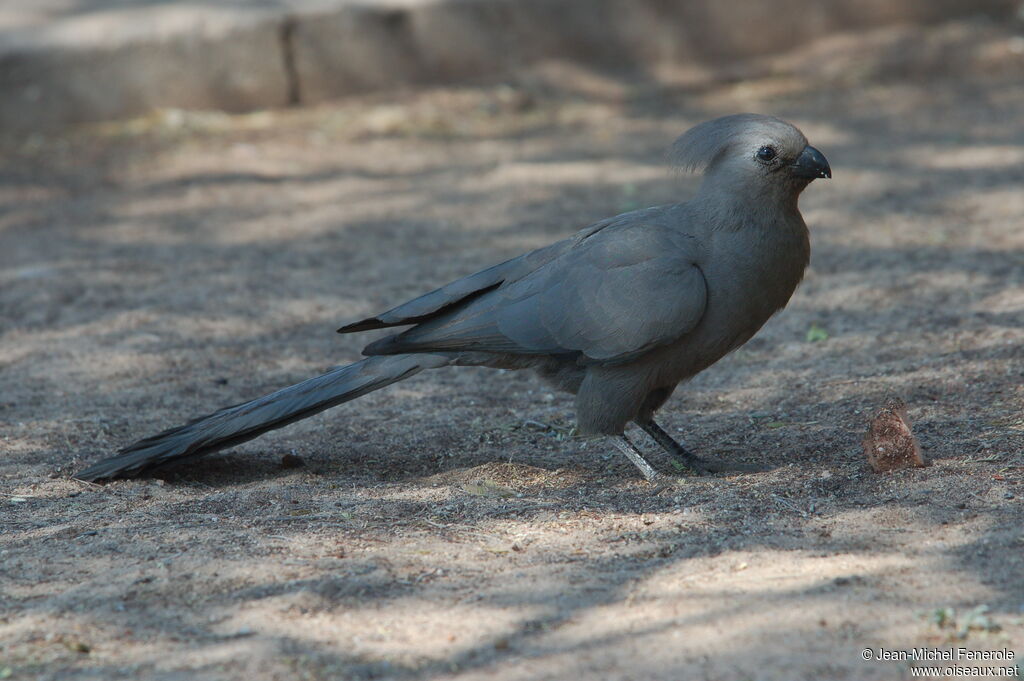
[{"x": 890, "y": 443}]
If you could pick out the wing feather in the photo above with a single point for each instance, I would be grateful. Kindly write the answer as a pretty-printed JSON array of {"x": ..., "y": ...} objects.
[{"x": 608, "y": 299}]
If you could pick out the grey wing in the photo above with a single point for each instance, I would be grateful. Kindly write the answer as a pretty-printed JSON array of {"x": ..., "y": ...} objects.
[
  {"x": 460, "y": 291},
  {"x": 609, "y": 299}
]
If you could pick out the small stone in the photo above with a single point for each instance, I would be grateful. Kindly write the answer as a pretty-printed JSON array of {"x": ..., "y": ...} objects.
[
  {"x": 292, "y": 461},
  {"x": 1008, "y": 495}
]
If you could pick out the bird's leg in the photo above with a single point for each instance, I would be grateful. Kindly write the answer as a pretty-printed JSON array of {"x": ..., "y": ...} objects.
[
  {"x": 676, "y": 449},
  {"x": 633, "y": 454},
  {"x": 688, "y": 458}
]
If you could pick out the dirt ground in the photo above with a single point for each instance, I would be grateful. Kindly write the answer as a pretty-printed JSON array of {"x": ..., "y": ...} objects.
[{"x": 450, "y": 527}]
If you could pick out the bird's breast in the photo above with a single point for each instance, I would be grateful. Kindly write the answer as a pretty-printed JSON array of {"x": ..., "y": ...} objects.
[{"x": 748, "y": 280}]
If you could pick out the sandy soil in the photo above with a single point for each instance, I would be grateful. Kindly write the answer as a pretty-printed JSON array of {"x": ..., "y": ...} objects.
[{"x": 450, "y": 527}]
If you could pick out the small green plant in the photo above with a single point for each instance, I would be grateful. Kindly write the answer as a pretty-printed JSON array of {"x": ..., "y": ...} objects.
[{"x": 816, "y": 334}]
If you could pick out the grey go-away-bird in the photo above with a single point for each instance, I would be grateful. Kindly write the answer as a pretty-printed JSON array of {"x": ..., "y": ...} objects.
[{"x": 618, "y": 314}]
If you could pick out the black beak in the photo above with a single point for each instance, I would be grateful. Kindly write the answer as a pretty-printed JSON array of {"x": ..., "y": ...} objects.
[{"x": 811, "y": 164}]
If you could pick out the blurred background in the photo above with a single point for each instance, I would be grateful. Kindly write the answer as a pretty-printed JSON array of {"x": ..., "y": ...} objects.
[
  {"x": 194, "y": 195},
  {"x": 73, "y": 61}
]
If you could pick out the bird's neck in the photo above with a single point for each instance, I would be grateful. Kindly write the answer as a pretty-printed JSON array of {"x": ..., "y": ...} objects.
[
  {"x": 765, "y": 234},
  {"x": 769, "y": 210}
]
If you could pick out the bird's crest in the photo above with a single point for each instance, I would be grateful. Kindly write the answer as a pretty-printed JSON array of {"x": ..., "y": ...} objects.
[{"x": 698, "y": 148}]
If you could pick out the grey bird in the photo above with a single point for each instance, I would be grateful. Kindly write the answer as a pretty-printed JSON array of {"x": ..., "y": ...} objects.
[{"x": 618, "y": 314}]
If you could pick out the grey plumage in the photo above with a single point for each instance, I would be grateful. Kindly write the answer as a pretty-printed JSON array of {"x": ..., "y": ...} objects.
[
  {"x": 618, "y": 314},
  {"x": 700, "y": 146}
]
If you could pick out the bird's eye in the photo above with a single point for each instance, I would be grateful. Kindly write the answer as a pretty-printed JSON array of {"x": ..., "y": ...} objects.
[{"x": 766, "y": 154}]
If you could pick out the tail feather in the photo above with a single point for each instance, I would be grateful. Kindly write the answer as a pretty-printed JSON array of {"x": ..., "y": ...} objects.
[{"x": 233, "y": 425}]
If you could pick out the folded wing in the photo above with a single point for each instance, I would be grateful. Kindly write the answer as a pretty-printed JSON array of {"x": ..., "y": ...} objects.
[{"x": 607, "y": 298}]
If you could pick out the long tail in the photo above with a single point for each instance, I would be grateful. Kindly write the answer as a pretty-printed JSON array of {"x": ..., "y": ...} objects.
[{"x": 233, "y": 425}]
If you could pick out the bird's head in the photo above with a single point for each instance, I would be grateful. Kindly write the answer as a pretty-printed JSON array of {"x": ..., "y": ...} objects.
[{"x": 758, "y": 153}]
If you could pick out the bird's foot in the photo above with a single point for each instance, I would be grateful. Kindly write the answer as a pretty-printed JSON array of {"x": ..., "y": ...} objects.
[{"x": 684, "y": 459}]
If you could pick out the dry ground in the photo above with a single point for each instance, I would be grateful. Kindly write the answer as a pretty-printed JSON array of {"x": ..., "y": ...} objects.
[{"x": 449, "y": 528}]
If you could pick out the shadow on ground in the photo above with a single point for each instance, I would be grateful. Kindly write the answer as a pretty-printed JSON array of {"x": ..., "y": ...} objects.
[{"x": 450, "y": 527}]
